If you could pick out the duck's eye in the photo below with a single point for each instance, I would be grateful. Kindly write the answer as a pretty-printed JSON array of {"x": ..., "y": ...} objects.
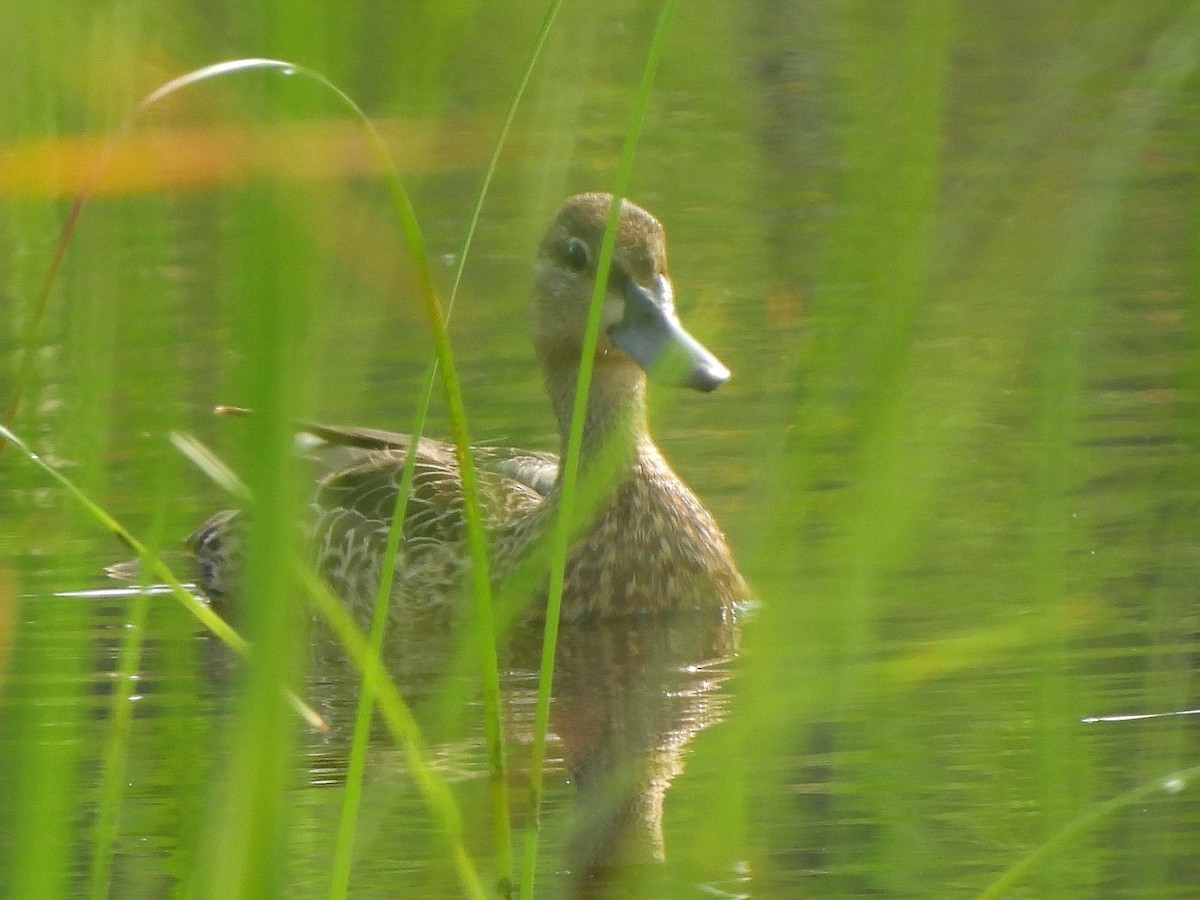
[{"x": 575, "y": 254}]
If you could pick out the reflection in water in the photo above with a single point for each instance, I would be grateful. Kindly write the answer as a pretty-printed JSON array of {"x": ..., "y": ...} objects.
[
  {"x": 628, "y": 698},
  {"x": 629, "y": 695}
]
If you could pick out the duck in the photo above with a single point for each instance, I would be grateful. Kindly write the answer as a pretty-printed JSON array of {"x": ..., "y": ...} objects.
[{"x": 645, "y": 545}]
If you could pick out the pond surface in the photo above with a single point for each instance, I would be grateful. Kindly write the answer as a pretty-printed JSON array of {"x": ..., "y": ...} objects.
[{"x": 950, "y": 259}]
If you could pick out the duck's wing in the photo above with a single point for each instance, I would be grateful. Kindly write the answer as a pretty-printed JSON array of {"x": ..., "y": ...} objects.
[
  {"x": 533, "y": 468},
  {"x": 340, "y": 448},
  {"x": 344, "y": 447},
  {"x": 364, "y": 495},
  {"x": 335, "y": 448}
]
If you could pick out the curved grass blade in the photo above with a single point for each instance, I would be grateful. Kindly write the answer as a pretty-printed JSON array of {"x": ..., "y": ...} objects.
[
  {"x": 481, "y": 589},
  {"x": 476, "y": 539},
  {"x": 27, "y": 355},
  {"x": 399, "y": 720},
  {"x": 342, "y": 851},
  {"x": 1085, "y": 822},
  {"x": 202, "y": 613}
]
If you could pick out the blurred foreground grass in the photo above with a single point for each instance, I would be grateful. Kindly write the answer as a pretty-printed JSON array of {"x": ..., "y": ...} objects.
[{"x": 950, "y": 256}]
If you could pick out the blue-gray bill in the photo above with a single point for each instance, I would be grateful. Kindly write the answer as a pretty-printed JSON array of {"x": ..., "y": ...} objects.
[{"x": 652, "y": 335}]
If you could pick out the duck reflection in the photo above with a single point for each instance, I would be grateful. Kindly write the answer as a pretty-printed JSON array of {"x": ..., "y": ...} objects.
[
  {"x": 629, "y": 696},
  {"x": 628, "y": 699}
]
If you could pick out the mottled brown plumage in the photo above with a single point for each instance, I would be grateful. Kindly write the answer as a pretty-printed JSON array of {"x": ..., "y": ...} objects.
[{"x": 649, "y": 546}]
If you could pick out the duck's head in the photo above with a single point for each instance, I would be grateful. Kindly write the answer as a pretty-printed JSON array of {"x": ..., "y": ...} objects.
[{"x": 639, "y": 328}]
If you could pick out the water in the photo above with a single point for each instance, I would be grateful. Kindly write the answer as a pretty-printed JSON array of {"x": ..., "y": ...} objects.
[{"x": 957, "y": 460}]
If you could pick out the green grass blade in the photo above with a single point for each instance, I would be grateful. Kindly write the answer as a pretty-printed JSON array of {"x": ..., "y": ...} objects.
[
  {"x": 570, "y": 463},
  {"x": 202, "y": 613},
  {"x": 344, "y": 847},
  {"x": 340, "y": 877},
  {"x": 481, "y": 589},
  {"x": 399, "y": 721},
  {"x": 199, "y": 610},
  {"x": 1085, "y": 822},
  {"x": 116, "y": 747},
  {"x": 510, "y": 114},
  {"x": 476, "y": 537},
  {"x": 210, "y": 464}
]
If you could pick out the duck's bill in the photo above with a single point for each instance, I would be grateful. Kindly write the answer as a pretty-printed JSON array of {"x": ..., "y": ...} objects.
[{"x": 652, "y": 336}]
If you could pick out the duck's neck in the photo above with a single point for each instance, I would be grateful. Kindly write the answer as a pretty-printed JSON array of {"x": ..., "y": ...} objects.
[{"x": 614, "y": 428}]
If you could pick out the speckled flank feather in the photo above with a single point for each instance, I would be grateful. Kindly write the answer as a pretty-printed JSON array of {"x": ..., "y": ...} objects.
[
  {"x": 651, "y": 547},
  {"x": 353, "y": 510}
]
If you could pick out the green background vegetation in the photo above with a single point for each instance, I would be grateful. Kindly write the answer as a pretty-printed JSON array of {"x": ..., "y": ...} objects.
[{"x": 949, "y": 252}]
